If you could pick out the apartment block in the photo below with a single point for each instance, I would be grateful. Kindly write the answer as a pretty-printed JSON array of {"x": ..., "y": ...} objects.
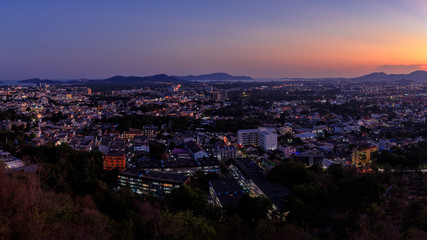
[{"x": 263, "y": 137}]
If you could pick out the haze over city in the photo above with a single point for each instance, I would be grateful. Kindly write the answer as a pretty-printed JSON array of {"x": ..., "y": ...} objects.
[{"x": 98, "y": 39}]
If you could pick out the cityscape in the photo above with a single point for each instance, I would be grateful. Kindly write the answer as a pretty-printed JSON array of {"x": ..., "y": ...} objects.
[{"x": 334, "y": 148}]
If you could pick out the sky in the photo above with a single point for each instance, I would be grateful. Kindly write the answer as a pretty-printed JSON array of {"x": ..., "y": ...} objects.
[{"x": 63, "y": 39}]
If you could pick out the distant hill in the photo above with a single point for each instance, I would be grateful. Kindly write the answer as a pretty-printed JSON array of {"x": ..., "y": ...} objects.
[
  {"x": 116, "y": 81},
  {"x": 39, "y": 81},
  {"x": 417, "y": 76},
  {"x": 136, "y": 80},
  {"x": 214, "y": 76},
  {"x": 132, "y": 81}
]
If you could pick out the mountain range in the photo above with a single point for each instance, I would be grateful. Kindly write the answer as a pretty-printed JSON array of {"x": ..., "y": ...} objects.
[
  {"x": 134, "y": 81},
  {"x": 38, "y": 81},
  {"x": 116, "y": 80}
]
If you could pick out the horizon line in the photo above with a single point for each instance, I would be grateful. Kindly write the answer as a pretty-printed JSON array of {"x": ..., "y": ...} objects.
[{"x": 238, "y": 75}]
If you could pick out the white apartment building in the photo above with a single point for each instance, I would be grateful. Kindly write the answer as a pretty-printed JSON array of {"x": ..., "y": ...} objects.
[
  {"x": 267, "y": 140},
  {"x": 263, "y": 137},
  {"x": 247, "y": 137}
]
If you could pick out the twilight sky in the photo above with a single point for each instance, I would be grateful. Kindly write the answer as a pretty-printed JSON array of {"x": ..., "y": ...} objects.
[{"x": 66, "y": 39}]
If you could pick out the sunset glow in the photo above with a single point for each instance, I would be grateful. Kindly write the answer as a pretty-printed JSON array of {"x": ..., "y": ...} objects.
[{"x": 278, "y": 39}]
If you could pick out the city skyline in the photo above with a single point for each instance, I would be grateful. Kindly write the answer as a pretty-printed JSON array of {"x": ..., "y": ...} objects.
[{"x": 100, "y": 39}]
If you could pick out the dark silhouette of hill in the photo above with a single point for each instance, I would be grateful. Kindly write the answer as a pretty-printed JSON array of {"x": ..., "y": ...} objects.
[
  {"x": 417, "y": 76},
  {"x": 136, "y": 80},
  {"x": 38, "y": 81},
  {"x": 116, "y": 81},
  {"x": 132, "y": 81},
  {"x": 213, "y": 76}
]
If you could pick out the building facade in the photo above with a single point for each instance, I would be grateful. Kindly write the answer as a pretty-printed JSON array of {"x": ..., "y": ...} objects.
[
  {"x": 262, "y": 137},
  {"x": 361, "y": 157},
  {"x": 153, "y": 183},
  {"x": 114, "y": 159},
  {"x": 225, "y": 152},
  {"x": 311, "y": 158}
]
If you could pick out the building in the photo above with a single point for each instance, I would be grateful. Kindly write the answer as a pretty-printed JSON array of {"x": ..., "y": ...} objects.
[
  {"x": 225, "y": 152},
  {"x": 384, "y": 144},
  {"x": 209, "y": 89},
  {"x": 306, "y": 136},
  {"x": 115, "y": 159},
  {"x": 253, "y": 179},
  {"x": 263, "y": 137},
  {"x": 104, "y": 146},
  {"x": 153, "y": 183},
  {"x": 150, "y": 131},
  {"x": 311, "y": 158},
  {"x": 10, "y": 161},
  {"x": 87, "y": 91},
  {"x": 196, "y": 151},
  {"x": 247, "y": 137},
  {"x": 131, "y": 134},
  {"x": 180, "y": 163},
  {"x": 219, "y": 96},
  {"x": 286, "y": 129},
  {"x": 287, "y": 151},
  {"x": 82, "y": 143},
  {"x": 140, "y": 144},
  {"x": 117, "y": 144},
  {"x": 173, "y": 88},
  {"x": 224, "y": 191},
  {"x": 267, "y": 140},
  {"x": 363, "y": 156}
]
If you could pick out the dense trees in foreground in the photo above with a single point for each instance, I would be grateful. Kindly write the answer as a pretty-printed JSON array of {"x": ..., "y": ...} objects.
[{"x": 70, "y": 197}]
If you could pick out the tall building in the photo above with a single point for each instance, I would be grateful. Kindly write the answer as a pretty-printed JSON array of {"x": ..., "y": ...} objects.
[
  {"x": 267, "y": 140},
  {"x": 263, "y": 137},
  {"x": 209, "y": 89},
  {"x": 88, "y": 91},
  {"x": 247, "y": 137}
]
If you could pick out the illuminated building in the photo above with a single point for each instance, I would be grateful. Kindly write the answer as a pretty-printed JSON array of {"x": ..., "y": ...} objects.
[
  {"x": 363, "y": 156},
  {"x": 115, "y": 159},
  {"x": 262, "y": 137},
  {"x": 148, "y": 182}
]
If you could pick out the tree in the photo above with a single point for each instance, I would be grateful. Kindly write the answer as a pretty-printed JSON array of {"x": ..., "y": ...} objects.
[
  {"x": 157, "y": 150},
  {"x": 253, "y": 208},
  {"x": 186, "y": 198},
  {"x": 336, "y": 171},
  {"x": 421, "y": 220},
  {"x": 183, "y": 225},
  {"x": 290, "y": 174},
  {"x": 310, "y": 204}
]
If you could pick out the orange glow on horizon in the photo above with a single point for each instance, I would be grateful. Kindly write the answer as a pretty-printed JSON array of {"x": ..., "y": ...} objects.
[{"x": 423, "y": 67}]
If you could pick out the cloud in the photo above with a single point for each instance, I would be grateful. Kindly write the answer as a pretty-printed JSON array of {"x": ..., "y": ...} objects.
[{"x": 401, "y": 68}]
